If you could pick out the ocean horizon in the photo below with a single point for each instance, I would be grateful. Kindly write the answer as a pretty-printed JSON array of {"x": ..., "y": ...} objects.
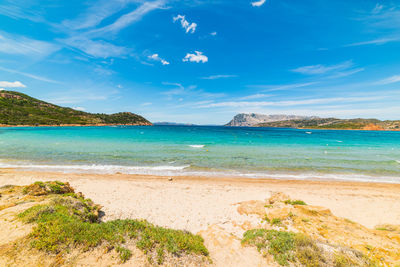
[{"x": 206, "y": 151}]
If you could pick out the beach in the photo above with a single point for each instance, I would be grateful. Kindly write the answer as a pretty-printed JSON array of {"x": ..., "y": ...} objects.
[{"x": 194, "y": 203}]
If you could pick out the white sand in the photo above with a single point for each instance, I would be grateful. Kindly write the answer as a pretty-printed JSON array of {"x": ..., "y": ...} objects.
[{"x": 194, "y": 203}]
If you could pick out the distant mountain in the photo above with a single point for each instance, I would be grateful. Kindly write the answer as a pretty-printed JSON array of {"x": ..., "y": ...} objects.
[
  {"x": 333, "y": 123},
  {"x": 253, "y": 119},
  {"x": 173, "y": 123},
  {"x": 20, "y": 109}
]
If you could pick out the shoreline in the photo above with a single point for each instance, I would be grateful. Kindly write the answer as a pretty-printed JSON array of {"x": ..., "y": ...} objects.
[
  {"x": 180, "y": 171},
  {"x": 193, "y": 203},
  {"x": 71, "y": 125},
  {"x": 106, "y": 125}
]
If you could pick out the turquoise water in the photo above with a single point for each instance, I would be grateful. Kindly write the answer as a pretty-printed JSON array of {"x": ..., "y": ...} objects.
[{"x": 182, "y": 150}]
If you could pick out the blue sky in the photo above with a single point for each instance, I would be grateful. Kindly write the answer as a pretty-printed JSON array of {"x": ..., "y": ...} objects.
[{"x": 203, "y": 61}]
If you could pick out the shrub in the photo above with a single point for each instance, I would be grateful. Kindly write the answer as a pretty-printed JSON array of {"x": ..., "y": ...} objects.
[
  {"x": 68, "y": 223},
  {"x": 295, "y": 202}
]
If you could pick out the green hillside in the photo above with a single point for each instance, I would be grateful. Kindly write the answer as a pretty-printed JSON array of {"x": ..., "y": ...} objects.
[
  {"x": 333, "y": 123},
  {"x": 20, "y": 109}
]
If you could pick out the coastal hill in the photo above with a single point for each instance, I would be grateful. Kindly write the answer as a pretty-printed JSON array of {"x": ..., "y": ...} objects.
[
  {"x": 333, "y": 123},
  {"x": 304, "y": 122},
  {"x": 20, "y": 109},
  {"x": 252, "y": 119}
]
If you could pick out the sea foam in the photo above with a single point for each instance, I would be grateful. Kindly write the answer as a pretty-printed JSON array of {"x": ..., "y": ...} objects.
[{"x": 197, "y": 146}]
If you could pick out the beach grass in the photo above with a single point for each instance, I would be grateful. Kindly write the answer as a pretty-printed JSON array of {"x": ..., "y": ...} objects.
[
  {"x": 288, "y": 248},
  {"x": 70, "y": 221}
]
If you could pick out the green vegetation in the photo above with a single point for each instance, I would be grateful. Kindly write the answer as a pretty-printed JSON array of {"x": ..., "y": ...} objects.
[
  {"x": 276, "y": 221},
  {"x": 20, "y": 109},
  {"x": 279, "y": 244},
  {"x": 333, "y": 123},
  {"x": 70, "y": 222},
  {"x": 288, "y": 247},
  {"x": 295, "y": 202}
]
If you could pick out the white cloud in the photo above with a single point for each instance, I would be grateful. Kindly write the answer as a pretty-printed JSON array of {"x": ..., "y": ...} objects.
[
  {"x": 156, "y": 57},
  {"x": 189, "y": 27},
  {"x": 147, "y": 104},
  {"x": 220, "y": 76},
  {"x": 20, "y": 45},
  {"x": 32, "y": 76},
  {"x": 390, "y": 80},
  {"x": 213, "y": 33},
  {"x": 79, "y": 108},
  {"x": 258, "y": 3},
  {"x": 15, "y": 84},
  {"x": 197, "y": 57},
  {"x": 322, "y": 69},
  {"x": 2, "y": 89}
]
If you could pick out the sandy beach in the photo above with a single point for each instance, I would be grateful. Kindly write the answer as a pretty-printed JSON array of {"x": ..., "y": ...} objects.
[{"x": 194, "y": 203}]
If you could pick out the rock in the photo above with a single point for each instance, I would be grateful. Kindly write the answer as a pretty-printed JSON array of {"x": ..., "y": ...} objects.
[
  {"x": 252, "y": 119},
  {"x": 314, "y": 210},
  {"x": 252, "y": 207},
  {"x": 278, "y": 197},
  {"x": 170, "y": 179},
  {"x": 279, "y": 213}
]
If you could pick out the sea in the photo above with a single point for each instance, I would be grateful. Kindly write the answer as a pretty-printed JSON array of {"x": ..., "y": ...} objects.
[{"x": 206, "y": 151}]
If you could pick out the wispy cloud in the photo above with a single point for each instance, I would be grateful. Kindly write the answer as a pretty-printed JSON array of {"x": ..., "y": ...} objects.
[
  {"x": 95, "y": 14},
  {"x": 178, "y": 90},
  {"x": 75, "y": 97},
  {"x": 220, "y": 76},
  {"x": 197, "y": 57},
  {"x": 156, "y": 57},
  {"x": 345, "y": 73},
  {"x": 79, "y": 108},
  {"x": 101, "y": 49},
  {"x": 129, "y": 18},
  {"x": 287, "y": 103},
  {"x": 271, "y": 88},
  {"x": 188, "y": 91},
  {"x": 379, "y": 41},
  {"x": 29, "y": 75},
  {"x": 20, "y": 10},
  {"x": 255, "y": 96},
  {"x": 322, "y": 69},
  {"x": 390, "y": 80},
  {"x": 377, "y": 9},
  {"x": 381, "y": 19},
  {"x": 20, "y": 45},
  {"x": 189, "y": 27},
  {"x": 86, "y": 37},
  {"x": 15, "y": 84},
  {"x": 258, "y": 3}
]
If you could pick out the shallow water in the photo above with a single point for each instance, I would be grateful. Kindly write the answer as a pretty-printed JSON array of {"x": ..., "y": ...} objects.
[{"x": 195, "y": 150}]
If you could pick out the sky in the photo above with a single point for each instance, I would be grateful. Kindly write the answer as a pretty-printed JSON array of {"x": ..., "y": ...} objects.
[{"x": 203, "y": 61}]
